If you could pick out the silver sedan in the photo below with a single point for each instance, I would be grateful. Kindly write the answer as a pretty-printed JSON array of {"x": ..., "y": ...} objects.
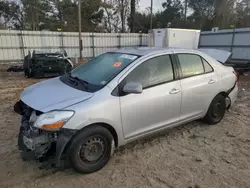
[{"x": 119, "y": 97}]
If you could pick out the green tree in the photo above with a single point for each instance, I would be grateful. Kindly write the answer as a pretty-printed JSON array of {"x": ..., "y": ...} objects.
[
  {"x": 35, "y": 13},
  {"x": 172, "y": 15},
  {"x": 64, "y": 14},
  {"x": 115, "y": 16},
  {"x": 242, "y": 18},
  {"x": 121, "y": 15},
  {"x": 203, "y": 11},
  {"x": 51, "y": 14},
  {"x": 142, "y": 22},
  {"x": 12, "y": 15},
  {"x": 212, "y": 13},
  {"x": 110, "y": 16},
  {"x": 224, "y": 13}
]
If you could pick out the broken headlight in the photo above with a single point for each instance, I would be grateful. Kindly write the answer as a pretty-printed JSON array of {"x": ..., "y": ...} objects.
[{"x": 53, "y": 121}]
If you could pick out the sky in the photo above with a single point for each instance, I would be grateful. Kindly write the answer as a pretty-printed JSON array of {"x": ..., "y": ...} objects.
[{"x": 143, "y": 4}]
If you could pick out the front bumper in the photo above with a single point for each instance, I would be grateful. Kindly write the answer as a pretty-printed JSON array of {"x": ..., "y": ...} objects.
[
  {"x": 46, "y": 151},
  {"x": 38, "y": 144}
]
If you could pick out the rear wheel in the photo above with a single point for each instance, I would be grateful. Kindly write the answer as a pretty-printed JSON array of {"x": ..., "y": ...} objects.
[
  {"x": 91, "y": 149},
  {"x": 216, "y": 110}
]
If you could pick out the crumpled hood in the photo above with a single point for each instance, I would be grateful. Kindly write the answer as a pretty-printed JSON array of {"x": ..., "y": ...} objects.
[{"x": 52, "y": 94}]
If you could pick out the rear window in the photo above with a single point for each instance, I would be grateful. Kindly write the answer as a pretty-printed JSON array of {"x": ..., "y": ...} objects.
[
  {"x": 207, "y": 66},
  {"x": 191, "y": 64}
]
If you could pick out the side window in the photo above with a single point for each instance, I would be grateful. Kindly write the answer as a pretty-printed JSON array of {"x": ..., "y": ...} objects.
[
  {"x": 191, "y": 65},
  {"x": 207, "y": 67},
  {"x": 152, "y": 72}
]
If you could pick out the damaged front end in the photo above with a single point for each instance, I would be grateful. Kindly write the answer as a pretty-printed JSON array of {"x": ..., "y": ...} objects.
[{"x": 40, "y": 142}]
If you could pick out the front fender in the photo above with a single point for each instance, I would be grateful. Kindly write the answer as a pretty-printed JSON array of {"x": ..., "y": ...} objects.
[
  {"x": 61, "y": 144},
  {"x": 114, "y": 125}
]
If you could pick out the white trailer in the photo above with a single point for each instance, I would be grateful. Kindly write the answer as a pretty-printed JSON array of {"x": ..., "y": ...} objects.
[{"x": 170, "y": 37}]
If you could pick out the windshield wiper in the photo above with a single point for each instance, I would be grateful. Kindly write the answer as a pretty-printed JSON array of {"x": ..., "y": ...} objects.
[
  {"x": 80, "y": 80},
  {"x": 77, "y": 80}
]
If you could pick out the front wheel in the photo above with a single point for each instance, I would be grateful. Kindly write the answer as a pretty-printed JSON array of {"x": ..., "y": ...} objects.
[
  {"x": 90, "y": 150},
  {"x": 216, "y": 110}
]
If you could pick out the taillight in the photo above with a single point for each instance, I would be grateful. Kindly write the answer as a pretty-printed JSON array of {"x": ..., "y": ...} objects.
[{"x": 236, "y": 75}]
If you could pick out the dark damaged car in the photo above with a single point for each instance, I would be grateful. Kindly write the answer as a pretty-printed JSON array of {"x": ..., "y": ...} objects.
[{"x": 43, "y": 64}]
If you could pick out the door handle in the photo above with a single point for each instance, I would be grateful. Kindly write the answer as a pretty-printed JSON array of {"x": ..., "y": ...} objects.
[
  {"x": 211, "y": 81},
  {"x": 174, "y": 91}
]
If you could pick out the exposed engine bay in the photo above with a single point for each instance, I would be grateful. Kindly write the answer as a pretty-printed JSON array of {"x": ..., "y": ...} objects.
[{"x": 34, "y": 143}]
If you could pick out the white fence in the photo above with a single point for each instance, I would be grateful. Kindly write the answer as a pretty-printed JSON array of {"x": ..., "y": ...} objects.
[
  {"x": 14, "y": 45},
  {"x": 236, "y": 41}
]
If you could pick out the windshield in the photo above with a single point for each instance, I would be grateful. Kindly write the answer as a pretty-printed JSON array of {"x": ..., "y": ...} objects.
[{"x": 102, "y": 69}]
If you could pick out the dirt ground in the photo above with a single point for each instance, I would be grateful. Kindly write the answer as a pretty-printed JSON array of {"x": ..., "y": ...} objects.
[{"x": 193, "y": 155}]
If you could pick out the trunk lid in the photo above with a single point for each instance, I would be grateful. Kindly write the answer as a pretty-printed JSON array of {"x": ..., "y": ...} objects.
[{"x": 220, "y": 55}]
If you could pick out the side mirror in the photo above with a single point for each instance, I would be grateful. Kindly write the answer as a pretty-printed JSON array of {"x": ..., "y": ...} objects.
[{"x": 133, "y": 87}]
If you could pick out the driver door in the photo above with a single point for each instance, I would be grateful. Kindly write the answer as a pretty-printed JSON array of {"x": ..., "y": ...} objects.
[{"x": 160, "y": 102}]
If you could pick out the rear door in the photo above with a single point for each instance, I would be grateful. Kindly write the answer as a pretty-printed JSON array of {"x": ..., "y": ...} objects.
[{"x": 199, "y": 85}]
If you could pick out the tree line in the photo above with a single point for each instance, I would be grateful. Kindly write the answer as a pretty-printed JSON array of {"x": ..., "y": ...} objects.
[{"x": 122, "y": 15}]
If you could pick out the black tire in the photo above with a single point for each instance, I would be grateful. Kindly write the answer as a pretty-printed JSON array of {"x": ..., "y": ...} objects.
[
  {"x": 28, "y": 73},
  {"x": 79, "y": 144},
  {"x": 216, "y": 110}
]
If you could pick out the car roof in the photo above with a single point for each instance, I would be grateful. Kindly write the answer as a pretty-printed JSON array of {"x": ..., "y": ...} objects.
[{"x": 141, "y": 51}]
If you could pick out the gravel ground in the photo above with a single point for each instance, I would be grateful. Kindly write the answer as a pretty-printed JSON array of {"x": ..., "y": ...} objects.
[{"x": 193, "y": 155}]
